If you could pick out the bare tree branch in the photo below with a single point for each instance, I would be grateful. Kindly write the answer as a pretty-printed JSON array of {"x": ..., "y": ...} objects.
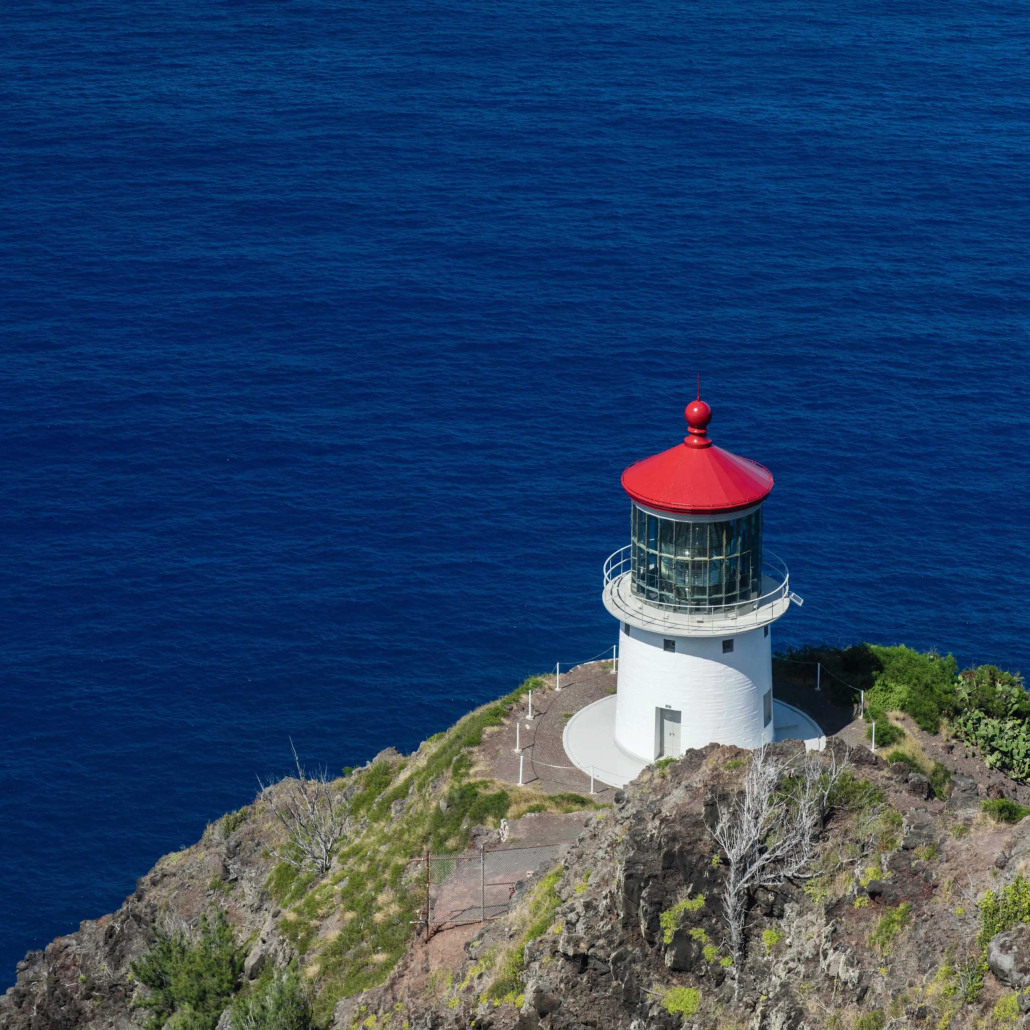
[
  {"x": 313, "y": 815},
  {"x": 769, "y": 831}
]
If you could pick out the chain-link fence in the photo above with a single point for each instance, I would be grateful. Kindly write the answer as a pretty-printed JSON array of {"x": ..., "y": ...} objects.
[{"x": 477, "y": 885}]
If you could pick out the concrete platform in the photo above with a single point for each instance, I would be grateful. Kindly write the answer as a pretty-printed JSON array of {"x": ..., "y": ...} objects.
[{"x": 589, "y": 740}]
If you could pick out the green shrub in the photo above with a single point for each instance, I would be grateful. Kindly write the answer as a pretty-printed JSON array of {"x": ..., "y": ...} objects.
[
  {"x": 886, "y": 732},
  {"x": 1006, "y": 1009},
  {"x": 874, "y": 1020},
  {"x": 682, "y": 1000},
  {"x": 279, "y": 1003},
  {"x": 891, "y": 923},
  {"x": 1002, "y": 909},
  {"x": 770, "y": 938},
  {"x": 190, "y": 981},
  {"x": 670, "y": 918},
  {"x": 940, "y": 781},
  {"x": 232, "y": 821},
  {"x": 1004, "y": 743},
  {"x": 1004, "y": 810}
]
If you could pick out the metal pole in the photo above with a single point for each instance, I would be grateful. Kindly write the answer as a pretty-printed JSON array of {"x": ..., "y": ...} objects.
[
  {"x": 520, "y": 769},
  {"x": 531, "y": 705},
  {"x": 592, "y": 780},
  {"x": 614, "y": 657},
  {"x": 861, "y": 710},
  {"x": 818, "y": 676},
  {"x": 482, "y": 883},
  {"x": 518, "y": 745},
  {"x": 874, "y": 739},
  {"x": 427, "y": 894},
  {"x": 557, "y": 676}
]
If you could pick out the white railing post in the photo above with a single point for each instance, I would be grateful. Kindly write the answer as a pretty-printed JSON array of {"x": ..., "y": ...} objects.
[
  {"x": 521, "y": 757},
  {"x": 531, "y": 706},
  {"x": 818, "y": 676},
  {"x": 861, "y": 710},
  {"x": 592, "y": 780},
  {"x": 557, "y": 676},
  {"x": 518, "y": 743},
  {"x": 874, "y": 736},
  {"x": 615, "y": 656}
]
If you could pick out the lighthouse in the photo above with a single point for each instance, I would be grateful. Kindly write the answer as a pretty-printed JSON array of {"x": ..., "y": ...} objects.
[{"x": 696, "y": 594}]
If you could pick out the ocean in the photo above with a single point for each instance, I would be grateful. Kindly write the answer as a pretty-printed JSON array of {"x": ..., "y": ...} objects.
[{"x": 328, "y": 329}]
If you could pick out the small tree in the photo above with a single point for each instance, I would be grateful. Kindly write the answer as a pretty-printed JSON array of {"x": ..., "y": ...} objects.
[
  {"x": 769, "y": 832},
  {"x": 314, "y": 816},
  {"x": 190, "y": 977}
]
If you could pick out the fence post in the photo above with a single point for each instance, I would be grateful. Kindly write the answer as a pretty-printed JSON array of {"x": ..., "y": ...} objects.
[
  {"x": 531, "y": 706},
  {"x": 818, "y": 676},
  {"x": 874, "y": 739},
  {"x": 482, "y": 883},
  {"x": 615, "y": 656},
  {"x": 591, "y": 779},
  {"x": 861, "y": 710},
  {"x": 518, "y": 743},
  {"x": 520, "y": 769},
  {"x": 557, "y": 676},
  {"x": 427, "y": 894}
]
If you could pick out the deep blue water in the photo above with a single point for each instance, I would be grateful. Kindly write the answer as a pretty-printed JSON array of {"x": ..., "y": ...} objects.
[{"x": 328, "y": 329}]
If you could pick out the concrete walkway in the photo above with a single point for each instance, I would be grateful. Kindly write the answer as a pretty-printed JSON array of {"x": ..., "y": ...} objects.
[{"x": 548, "y": 767}]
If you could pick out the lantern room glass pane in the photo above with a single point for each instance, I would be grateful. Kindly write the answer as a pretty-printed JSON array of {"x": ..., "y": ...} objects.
[{"x": 696, "y": 565}]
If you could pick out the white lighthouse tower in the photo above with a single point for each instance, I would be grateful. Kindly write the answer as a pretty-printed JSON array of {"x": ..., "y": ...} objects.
[{"x": 696, "y": 597}]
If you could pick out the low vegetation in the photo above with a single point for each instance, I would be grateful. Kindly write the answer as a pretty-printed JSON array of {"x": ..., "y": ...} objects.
[
  {"x": 984, "y": 706},
  {"x": 279, "y": 1002},
  {"x": 1004, "y": 810},
  {"x": 189, "y": 979},
  {"x": 539, "y": 919}
]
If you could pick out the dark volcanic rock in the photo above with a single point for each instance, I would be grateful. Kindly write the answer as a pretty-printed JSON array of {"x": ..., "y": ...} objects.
[{"x": 1008, "y": 955}]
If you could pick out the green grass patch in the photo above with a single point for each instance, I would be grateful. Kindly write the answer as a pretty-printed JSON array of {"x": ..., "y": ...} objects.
[
  {"x": 1004, "y": 810},
  {"x": 286, "y": 883},
  {"x": 889, "y": 928},
  {"x": 853, "y": 794},
  {"x": 374, "y": 781},
  {"x": 472, "y": 801},
  {"x": 874, "y": 1020},
  {"x": 770, "y": 938}
]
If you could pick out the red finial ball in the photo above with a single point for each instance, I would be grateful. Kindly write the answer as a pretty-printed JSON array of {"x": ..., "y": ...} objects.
[{"x": 698, "y": 416}]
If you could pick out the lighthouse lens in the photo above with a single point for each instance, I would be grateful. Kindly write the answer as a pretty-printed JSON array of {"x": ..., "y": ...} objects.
[{"x": 696, "y": 564}]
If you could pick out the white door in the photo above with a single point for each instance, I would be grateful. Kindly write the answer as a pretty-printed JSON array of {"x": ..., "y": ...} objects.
[{"x": 668, "y": 733}]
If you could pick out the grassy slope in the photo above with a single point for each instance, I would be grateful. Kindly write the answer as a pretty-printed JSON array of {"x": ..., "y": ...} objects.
[{"x": 352, "y": 926}]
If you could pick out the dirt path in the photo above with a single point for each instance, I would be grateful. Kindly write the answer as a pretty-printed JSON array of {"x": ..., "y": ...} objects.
[{"x": 545, "y": 766}]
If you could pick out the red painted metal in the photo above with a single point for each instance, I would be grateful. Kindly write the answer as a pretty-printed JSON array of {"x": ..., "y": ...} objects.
[{"x": 696, "y": 476}]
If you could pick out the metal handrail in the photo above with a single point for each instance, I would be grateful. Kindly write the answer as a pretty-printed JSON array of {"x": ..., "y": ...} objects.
[{"x": 620, "y": 562}]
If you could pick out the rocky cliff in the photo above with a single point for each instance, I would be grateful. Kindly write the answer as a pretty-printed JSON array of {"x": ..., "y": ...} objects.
[{"x": 910, "y": 913}]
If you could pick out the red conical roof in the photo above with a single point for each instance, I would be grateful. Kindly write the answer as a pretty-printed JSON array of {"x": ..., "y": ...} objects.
[{"x": 696, "y": 476}]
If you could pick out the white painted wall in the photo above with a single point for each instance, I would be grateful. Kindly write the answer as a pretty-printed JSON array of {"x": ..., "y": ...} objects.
[{"x": 719, "y": 695}]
